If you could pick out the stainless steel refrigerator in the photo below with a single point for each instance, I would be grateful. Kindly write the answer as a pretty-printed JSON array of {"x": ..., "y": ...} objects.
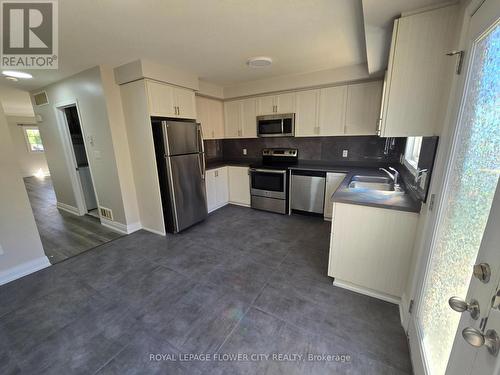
[{"x": 180, "y": 159}]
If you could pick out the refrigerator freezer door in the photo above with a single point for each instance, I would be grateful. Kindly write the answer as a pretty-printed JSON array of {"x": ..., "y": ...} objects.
[
  {"x": 181, "y": 137},
  {"x": 187, "y": 190}
]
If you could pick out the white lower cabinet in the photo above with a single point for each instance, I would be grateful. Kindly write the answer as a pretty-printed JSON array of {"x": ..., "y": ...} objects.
[
  {"x": 217, "y": 188},
  {"x": 333, "y": 181},
  {"x": 239, "y": 186},
  {"x": 371, "y": 248}
]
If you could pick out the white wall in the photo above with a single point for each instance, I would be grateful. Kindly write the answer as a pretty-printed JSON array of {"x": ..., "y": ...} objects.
[
  {"x": 21, "y": 249},
  {"x": 86, "y": 89},
  {"x": 121, "y": 145}
]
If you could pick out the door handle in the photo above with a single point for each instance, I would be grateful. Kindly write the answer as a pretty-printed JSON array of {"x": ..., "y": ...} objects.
[
  {"x": 459, "y": 305},
  {"x": 477, "y": 339}
]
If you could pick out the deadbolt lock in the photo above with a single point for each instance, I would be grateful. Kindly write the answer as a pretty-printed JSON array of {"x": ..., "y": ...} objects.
[{"x": 482, "y": 272}]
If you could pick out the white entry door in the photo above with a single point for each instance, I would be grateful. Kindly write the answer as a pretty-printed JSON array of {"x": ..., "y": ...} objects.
[{"x": 467, "y": 235}]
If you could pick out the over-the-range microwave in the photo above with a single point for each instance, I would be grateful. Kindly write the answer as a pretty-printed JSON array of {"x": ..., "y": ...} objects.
[{"x": 279, "y": 125}]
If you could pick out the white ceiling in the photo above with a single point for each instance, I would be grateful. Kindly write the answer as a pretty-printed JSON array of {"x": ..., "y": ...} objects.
[
  {"x": 212, "y": 38},
  {"x": 379, "y": 18}
]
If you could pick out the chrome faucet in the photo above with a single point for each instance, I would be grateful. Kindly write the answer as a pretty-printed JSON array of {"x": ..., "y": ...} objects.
[{"x": 394, "y": 177}]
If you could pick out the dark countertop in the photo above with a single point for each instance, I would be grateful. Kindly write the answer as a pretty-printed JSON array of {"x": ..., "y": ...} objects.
[
  {"x": 374, "y": 198},
  {"x": 363, "y": 197}
]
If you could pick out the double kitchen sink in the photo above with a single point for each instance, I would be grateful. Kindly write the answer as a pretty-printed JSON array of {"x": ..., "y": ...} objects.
[{"x": 377, "y": 183}]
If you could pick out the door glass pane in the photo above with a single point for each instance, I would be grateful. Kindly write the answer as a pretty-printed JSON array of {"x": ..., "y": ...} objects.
[{"x": 468, "y": 198}]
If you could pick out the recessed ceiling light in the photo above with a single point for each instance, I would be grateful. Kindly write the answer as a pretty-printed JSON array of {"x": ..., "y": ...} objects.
[
  {"x": 13, "y": 79},
  {"x": 259, "y": 62},
  {"x": 16, "y": 74}
]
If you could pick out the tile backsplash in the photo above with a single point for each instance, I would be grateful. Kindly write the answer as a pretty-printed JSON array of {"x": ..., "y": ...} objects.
[{"x": 360, "y": 149}]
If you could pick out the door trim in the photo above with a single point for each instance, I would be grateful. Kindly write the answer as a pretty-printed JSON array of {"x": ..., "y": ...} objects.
[
  {"x": 69, "y": 153},
  {"x": 444, "y": 163}
]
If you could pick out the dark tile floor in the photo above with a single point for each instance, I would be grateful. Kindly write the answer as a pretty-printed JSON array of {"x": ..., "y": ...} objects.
[
  {"x": 63, "y": 234},
  {"x": 244, "y": 281}
]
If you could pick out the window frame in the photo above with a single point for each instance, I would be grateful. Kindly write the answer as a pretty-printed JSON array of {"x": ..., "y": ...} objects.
[
  {"x": 410, "y": 163},
  {"x": 26, "y": 138}
]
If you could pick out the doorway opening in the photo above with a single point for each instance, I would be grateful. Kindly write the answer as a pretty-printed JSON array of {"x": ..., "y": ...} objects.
[
  {"x": 66, "y": 228},
  {"x": 81, "y": 161}
]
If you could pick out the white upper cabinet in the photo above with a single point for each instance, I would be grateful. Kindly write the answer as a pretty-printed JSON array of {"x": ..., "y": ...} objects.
[
  {"x": 210, "y": 114},
  {"x": 271, "y": 104},
  {"x": 332, "y": 105},
  {"x": 419, "y": 73},
  {"x": 232, "y": 118},
  {"x": 170, "y": 101},
  {"x": 306, "y": 115},
  {"x": 160, "y": 99},
  {"x": 265, "y": 105},
  {"x": 240, "y": 118},
  {"x": 185, "y": 102},
  {"x": 285, "y": 103},
  {"x": 248, "y": 118},
  {"x": 363, "y": 108}
]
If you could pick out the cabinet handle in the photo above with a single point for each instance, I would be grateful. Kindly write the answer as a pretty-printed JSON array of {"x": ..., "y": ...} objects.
[{"x": 216, "y": 173}]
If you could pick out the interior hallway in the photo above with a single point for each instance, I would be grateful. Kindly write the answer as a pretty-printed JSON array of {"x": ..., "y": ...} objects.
[{"x": 63, "y": 234}]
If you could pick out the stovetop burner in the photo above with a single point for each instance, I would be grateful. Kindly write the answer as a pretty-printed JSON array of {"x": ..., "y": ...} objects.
[{"x": 277, "y": 158}]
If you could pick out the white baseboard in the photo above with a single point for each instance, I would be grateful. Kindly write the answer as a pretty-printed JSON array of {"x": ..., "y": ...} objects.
[
  {"x": 403, "y": 312},
  {"x": 368, "y": 292},
  {"x": 154, "y": 231},
  {"x": 217, "y": 207},
  {"x": 119, "y": 227},
  {"x": 239, "y": 204},
  {"x": 68, "y": 208},
  {"x": 23, "y": 269}
]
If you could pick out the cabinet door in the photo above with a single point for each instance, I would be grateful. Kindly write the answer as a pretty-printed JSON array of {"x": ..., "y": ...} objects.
[
  {"x": 185, "y": 102},
  {"x": 239, "y": 185},
  {"x": 232, "y": 119},
  {"x": 333, "y": 181},
  {"x": 266, "y": 105},
  {"x": 210, "y": 187},
  {"x": 306, "y": 115},
  {"x": 285, "y": 103},
  {"x": 248, "y": 118},
  {"x": 222, "y": 187},
  {"x": 332, "y": 104},
  {"x": 419, "y": 73},
  {"x": 217, "y": 118},
  {"x": 363, "y": 108},
  {"x": 203, "y": 116},
  {"x": 160, "y": 99}
]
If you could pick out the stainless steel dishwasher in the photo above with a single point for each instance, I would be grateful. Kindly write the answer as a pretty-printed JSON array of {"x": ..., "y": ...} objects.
[{"x": 308, "y": 191}]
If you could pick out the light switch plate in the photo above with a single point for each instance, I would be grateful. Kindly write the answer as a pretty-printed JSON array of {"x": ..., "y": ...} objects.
[
  {"x": 344, "y": 153},
  {"x": 97, "y": 154}
]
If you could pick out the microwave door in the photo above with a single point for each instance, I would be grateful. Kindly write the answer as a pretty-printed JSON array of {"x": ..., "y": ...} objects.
[{"x": 270, "y": 128}]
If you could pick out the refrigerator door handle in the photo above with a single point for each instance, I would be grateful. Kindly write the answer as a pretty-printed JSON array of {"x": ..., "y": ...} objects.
[{"x": 202, "y": 154}]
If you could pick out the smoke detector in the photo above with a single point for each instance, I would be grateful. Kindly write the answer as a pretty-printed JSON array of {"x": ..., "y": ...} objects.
[{"x": 259, "y": 62}]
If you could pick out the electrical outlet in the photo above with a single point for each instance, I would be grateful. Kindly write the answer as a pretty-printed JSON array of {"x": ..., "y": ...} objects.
[
  {"x": 244, "y": 151},
  {"x": 344, "y": 153}
]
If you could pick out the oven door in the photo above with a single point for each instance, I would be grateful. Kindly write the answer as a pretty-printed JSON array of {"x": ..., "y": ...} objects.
[{"x": 268, "y": 183}]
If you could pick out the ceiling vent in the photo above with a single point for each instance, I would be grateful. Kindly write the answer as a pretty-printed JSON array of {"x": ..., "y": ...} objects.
[{"x": 41, "y": 98}]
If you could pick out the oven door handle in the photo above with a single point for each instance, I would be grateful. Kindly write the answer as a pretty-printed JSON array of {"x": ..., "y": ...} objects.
[{"x": 267, "y": 171}]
